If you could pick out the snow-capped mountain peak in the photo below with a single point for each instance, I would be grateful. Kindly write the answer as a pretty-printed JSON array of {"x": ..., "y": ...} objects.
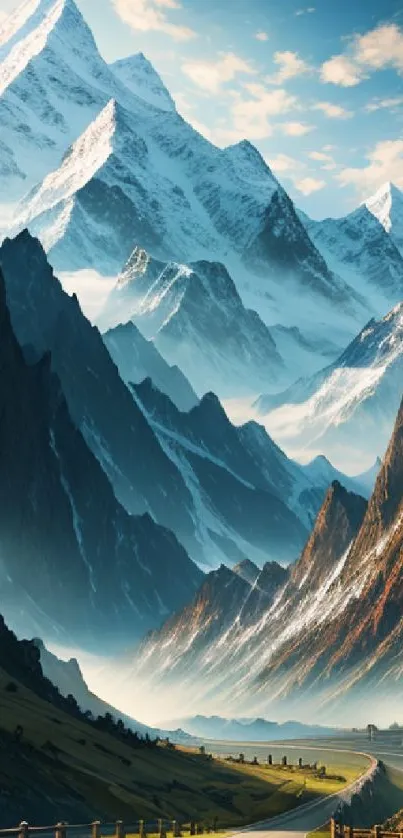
[
  {"x": 83, "y": 160},
  {"x": 248, "y": 158},
  {"x": 28, "y": 32},
  {"x": 387, "y": 206},
  {"x": 138, "y": 75},
  {"x": 380, "y": 204}
]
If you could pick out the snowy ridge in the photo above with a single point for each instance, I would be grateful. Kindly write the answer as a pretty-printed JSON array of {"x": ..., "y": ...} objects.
[
  {"x": 164, "y": 187},
  {"x": 24, "y": 50},
  {"x": 359, "y": 249},
  {"x": 349, "y": 405},
  {"x": 86, "y": 156},
  {"x": 380, "y": 205}
]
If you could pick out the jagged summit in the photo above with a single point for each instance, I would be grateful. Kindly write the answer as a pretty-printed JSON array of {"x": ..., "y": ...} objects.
[
  {"x": 246, "y": 154},
  {"x": 138, "y": 75},
  {"x": 336, "y": 525},
  {"x": 387, "y": 206},
  {"x": 380, "y": 204},
  {"x": 53, "y": 24},
  {"x": 248, "y": 570}
]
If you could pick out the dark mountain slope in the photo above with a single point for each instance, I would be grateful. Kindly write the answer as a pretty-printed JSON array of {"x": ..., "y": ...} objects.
[{"x": 74, "y": 564}]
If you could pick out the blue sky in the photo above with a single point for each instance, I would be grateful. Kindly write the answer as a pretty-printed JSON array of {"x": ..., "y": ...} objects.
[{"x": 318, "y": 87}]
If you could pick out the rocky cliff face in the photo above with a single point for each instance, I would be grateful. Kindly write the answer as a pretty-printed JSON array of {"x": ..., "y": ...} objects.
[
  {"x": 229, "y": 482},
  {"x": 74, "y": 565},
  {"x": 359, "y": 643},
  {"x": 337, "y": 523},
  {"x": 137, "y": 358},
  {"x": 196, "y": 318},
  {"x": 275, "y": 648},
  {"x": 188, "y": 641}
]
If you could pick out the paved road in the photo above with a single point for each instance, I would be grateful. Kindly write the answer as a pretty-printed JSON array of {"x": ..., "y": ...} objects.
[{"x": 305, "y": 818}]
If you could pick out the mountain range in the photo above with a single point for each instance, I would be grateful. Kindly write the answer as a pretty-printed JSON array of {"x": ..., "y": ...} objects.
[
  {"x": 138, "y": 358},
  {"x": 102, "y": 162},
  {"x": 251, "y": 730},
  {"x": 322, "y": 637},
  {"x": 348, "y": 407},
  {"x": 210, "y": 482},
  {"x": 141, "y": 477},
  {"x": 92, "y": 581},
  {"x": 191, "y": 312}
]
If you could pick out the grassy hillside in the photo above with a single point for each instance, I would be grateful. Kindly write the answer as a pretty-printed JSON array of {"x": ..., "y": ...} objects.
[{"x": 61, "y": 768}]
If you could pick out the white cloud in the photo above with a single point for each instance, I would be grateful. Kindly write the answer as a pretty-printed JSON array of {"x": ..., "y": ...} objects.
[
  {"x": 341, "y": 70},
  {"x": 381, "y": 47},
  {"x": 211, "y": 75},
  {"x": 152, "y": 15},
  {"x": 251, "y": 116},
  {"x": 283, "y": 163},
  {"x": 296, "y": 129},
  {"x": 307, "y": 11},
  {"x": 389, "y": 104},
  {"x": 326, "y": 160},
  {"x": 297, "y": 172},
  {"x": 378, "y": 49},
  {"x": 320, "y": 156},
  {"x": 262, "y": 36},
  {"x": 331, "y": 110},
  {"x": 309, "y": 184},
  {"x": 290, "y": 65},
  {"x": 385, "y": 163}
]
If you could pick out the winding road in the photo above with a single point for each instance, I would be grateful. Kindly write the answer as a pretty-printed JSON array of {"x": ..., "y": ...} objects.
[{"x": 310, "y": 816}]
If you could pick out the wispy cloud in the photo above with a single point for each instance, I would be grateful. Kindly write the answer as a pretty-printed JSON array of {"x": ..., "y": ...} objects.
[
  {"x": 331, "y": 110},
  {"x": 308, "y": 11},
  {"x": 296, "y": 129},
  {"x": 385, "y": 163},
  {"x": 212, "y": 75},
  {"x": 290, "y": 65},
  {"x": 251, "y": 115},
  {"x": 153, "y": 15},
  {"x": 378, "y": 49},
  {"x": 282, "y": 163},
  {"x": 308, "y": 185},
  {"x": 295, "y": 170},
  {"x": 325, "y": 160},
  {"x": 391, "y": 104},
  {"x": 262, "y": 36}
]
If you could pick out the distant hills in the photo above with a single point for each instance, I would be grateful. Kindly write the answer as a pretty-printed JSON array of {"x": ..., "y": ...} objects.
[{"x": 250, "y": 730}]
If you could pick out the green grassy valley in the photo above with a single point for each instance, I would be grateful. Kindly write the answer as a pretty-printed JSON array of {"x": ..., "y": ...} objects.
[{"x": 54, "y": 766}]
